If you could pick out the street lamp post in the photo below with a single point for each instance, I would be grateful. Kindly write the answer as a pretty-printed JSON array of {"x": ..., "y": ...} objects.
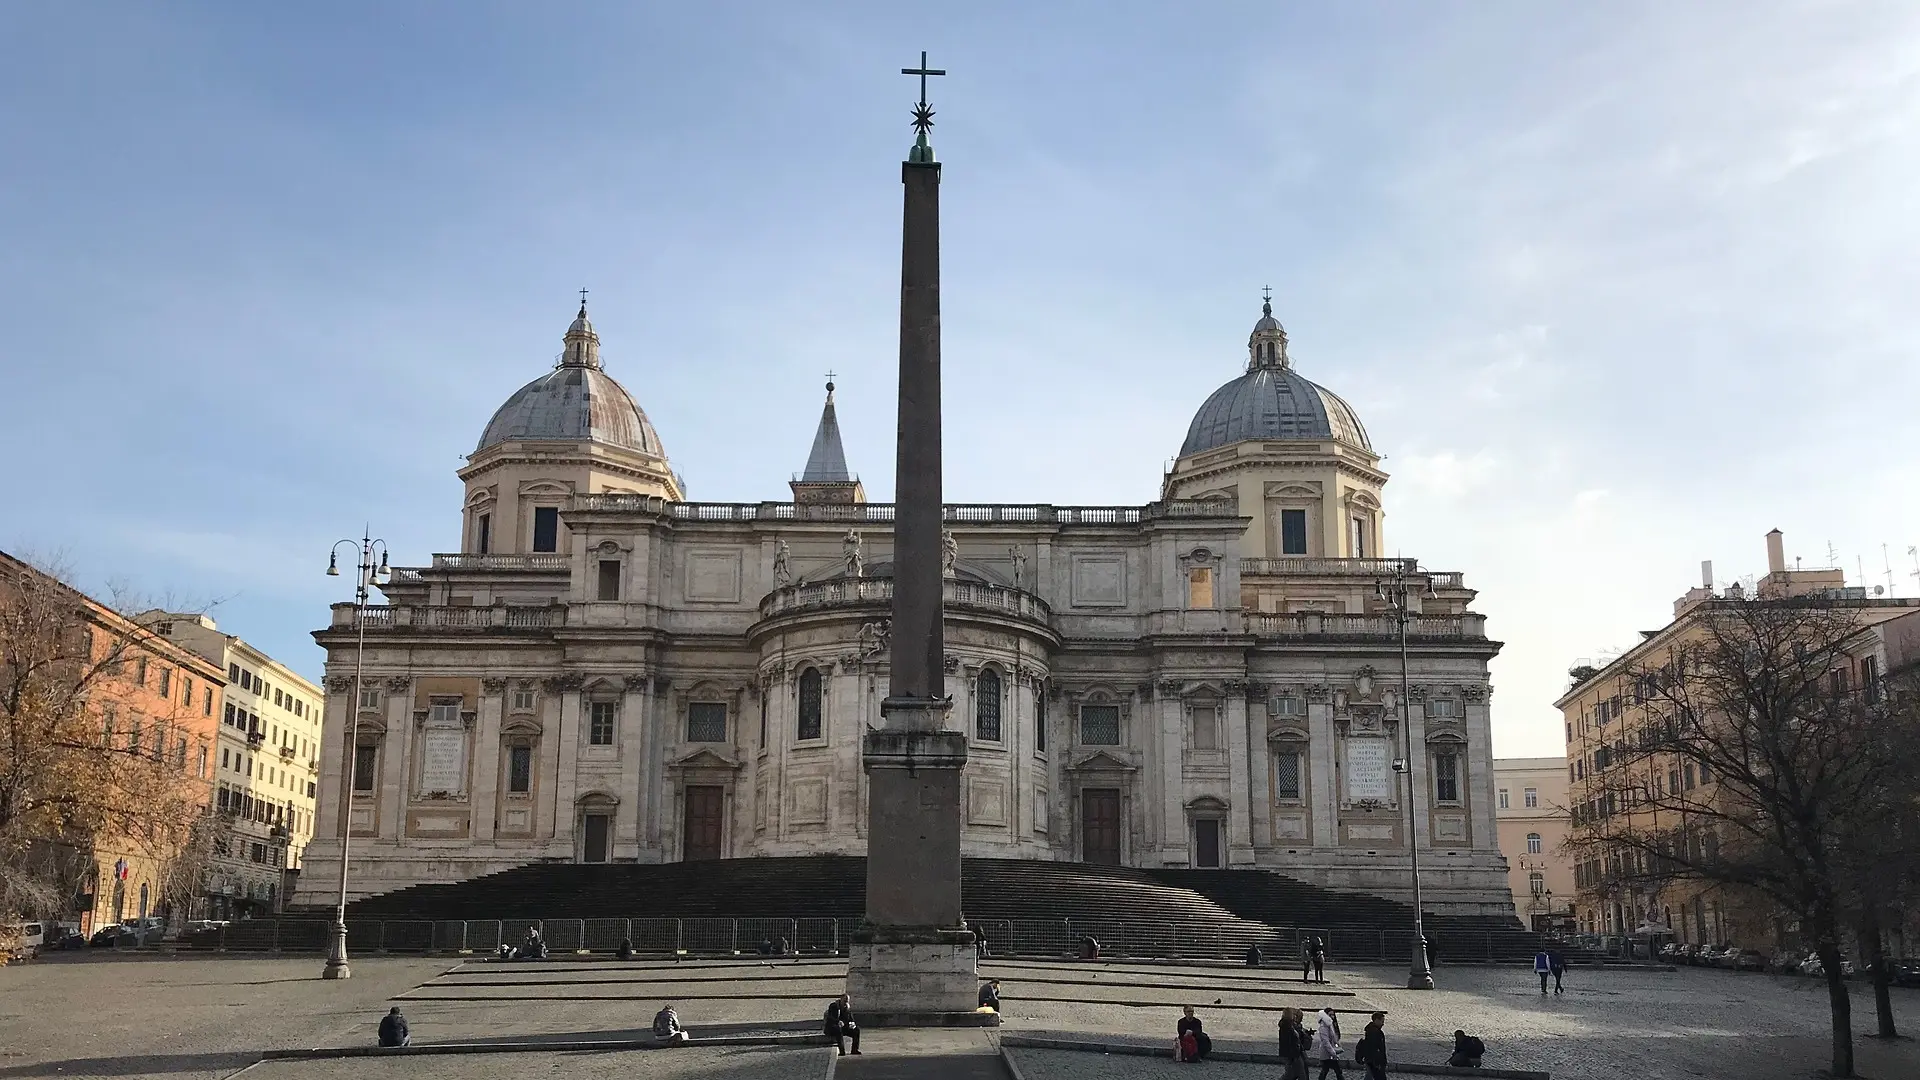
[
  {"x": 370, "y": 574},
  {"x": 1396, "y": 593}
]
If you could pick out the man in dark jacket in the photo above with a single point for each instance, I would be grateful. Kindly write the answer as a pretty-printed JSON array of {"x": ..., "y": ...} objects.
[
  {"x": 1372, "y": 1051},
  {"x": 840, "y": 1025},
  {"x": 990, "y": 995},
  {"x": 1293, "y": 1044},
  {"x": 393, "y": 1029}
]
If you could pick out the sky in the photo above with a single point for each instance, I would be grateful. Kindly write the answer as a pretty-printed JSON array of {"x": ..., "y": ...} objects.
[{"x": 1615, "y": 288}]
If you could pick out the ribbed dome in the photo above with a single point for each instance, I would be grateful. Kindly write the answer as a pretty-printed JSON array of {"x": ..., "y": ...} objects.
[
  {"x": 1271, "y": 401},
  {"x": 574, "y": 401}
]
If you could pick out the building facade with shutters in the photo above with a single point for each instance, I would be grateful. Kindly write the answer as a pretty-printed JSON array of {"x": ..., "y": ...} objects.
[
  {"x": 1530, "y": 809},
  {"x": 607, "y": 671}
]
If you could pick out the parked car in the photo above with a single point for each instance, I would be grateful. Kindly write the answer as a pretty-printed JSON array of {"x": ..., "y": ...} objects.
[
  {"x": 1906, "y": 972},
  {"x": 1749, "y": 960},
  {"x": 1785, "y": 962}
]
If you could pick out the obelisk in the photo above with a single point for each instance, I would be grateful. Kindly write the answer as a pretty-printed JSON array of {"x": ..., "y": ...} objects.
[{"x": 913, "y": 959}]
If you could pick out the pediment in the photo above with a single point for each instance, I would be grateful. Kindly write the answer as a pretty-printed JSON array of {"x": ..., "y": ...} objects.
[
  {"x": 1102, "y": 761},
  {"x": 704, "y": 759}
]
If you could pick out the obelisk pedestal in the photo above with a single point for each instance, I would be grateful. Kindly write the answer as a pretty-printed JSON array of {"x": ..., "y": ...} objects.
[{"x": 913, "y": 961}]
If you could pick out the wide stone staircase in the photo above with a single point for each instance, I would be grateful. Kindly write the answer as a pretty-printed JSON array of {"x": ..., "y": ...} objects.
[{"x": 1022, "y": 907}]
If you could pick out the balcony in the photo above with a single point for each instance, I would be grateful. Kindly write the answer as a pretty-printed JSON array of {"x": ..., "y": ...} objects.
[
  {"x": 286, "y": 753},
  {"x": 396, "y": 617},
  {"x": 540, "y": 562},
  {"x": 1311, "y": 624},
  {"x": 847, "y": 592},
  {"x": 256, "y": 738},
  {"x": 1369, "y": 569},
  {"x": 882, "y": 513}
]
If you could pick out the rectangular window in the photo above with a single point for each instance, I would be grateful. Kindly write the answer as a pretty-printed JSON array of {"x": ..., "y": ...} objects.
[
  {"x": 369, "y": 697},
  {"x": 225, "y": 761},
  {"x": 1200, "y": 587},
  {"x": 1446, "y": 776},
  {"x": 1284, "y": 705},
  {"x": 1206, "y": 727},
  {"x": 483, "y": 533},
  {"x": 186, "y": 689},
  {"x": 1293, "y": 532},
  {"x": 206, "y": 759},
  {"x": 1501, "y": 798},
  {"x": 600, "y": 726},
  {"x": 1686, "y": 775},
  {"x": 1286, "y": 775},
  {"x": 519, "y": 769},
  {"x": 1870, "y": 679},
  {"x": 1530, "y": 798},
  {"x": 546, "y": 528},
  {"x": 233, "y": 673},
  {"x": 446, "y": 712},
  {"x": 230, "y": 721},
  {"x": 1706, "y": 774},
  {"x": 1100, "y": 725},
  {"x": 365, "y": 758},
  {"x": 280, "y": 698},
  {"x": 166, "y": 682},
  {"x": 706, "y": 722},
  {"x": 609, "y": 580},
  {"x": 140, "y": 671},
  {"x": 1441, "y": 707},
  {"x": 206, "y": 701},
  {"x": 1040, "y": 719},
  {"x": 1359, "y": 538},
  {"x": 522, "y": 700}
]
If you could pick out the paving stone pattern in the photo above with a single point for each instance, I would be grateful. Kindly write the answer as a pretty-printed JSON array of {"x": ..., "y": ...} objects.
[{"x": 680, "y": 1063}]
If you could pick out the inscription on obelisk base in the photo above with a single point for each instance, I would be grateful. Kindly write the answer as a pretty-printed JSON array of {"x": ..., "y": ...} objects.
[{"x": 913, "y": 961}]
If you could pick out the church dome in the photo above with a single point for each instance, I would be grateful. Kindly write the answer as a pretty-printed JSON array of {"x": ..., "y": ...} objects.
[
  {"x": 574, "y": 401},
  {"x": 1272, "y": 401}
]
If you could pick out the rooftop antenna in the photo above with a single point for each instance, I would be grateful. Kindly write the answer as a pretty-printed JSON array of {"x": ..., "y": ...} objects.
[
  {"x": 1833, "y": 554},
  {"x": 1914, "y": 552},
  {"x": 1861, "y": 562},
  {"x": 1886, "y": 563}
]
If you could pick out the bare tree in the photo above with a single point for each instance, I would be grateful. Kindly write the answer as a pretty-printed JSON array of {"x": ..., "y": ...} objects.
[
  {"x": 87, "y": 755},
  {"x": 1758, "y": 769}
]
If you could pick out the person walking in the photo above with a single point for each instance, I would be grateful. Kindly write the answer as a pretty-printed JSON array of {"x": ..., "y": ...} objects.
[
  {"x": 1371, "y": 1051},
  {"x": 393, "y": 1029},
  {"x": 1542, "y": 967},
  {"x": 1326, "y": 1043},
  {"x": 1558, "y": 963},
  {"x": 1293, "y": 1044},
  {"x": 840, "y": 1025}
]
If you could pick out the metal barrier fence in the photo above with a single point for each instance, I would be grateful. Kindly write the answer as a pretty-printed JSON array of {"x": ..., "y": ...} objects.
[{"x": 829, "y": 937}]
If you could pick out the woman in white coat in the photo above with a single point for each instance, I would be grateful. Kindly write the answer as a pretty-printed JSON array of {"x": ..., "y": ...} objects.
[{"x": 1326, "y": 1043}]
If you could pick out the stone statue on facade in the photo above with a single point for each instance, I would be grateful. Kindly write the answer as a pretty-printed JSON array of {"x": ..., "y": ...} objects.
[
  {"x": 875, "y": 638},
  {"x": 1019, "y": 560},
  {"x": 850, "y": 551},
  {"x": 782, "y": 567},
  {"x": 950, "y": 552}
]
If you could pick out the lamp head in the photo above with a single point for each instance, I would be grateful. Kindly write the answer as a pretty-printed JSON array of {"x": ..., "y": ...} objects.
[{"x": 333, "y": 565}]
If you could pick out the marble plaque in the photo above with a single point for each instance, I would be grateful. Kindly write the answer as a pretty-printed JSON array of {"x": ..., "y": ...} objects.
[
  {"x": 1369, "y": 832},
  {"x": 1369, "y": 769},
  {"x": 1290, "y": 827},
  {"x": 1040, "y": 810},
  {"x": 986, "y": 803},
  {"x": 443, "y": 760},
  {"x": 809, "y": 802}
]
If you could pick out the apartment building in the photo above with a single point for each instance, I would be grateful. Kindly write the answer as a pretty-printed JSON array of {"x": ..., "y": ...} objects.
[
  {"x": 1606, "y": 707},
  {"x": 1530, "y": 812},
  {"x": 265, "y": 768}
]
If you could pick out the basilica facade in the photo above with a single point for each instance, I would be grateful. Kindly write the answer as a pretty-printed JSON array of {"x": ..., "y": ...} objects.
[{"x": 606, "y": 671}]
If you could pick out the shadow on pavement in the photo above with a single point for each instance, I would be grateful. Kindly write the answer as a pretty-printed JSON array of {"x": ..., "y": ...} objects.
[{"x": 135, "y": 1065}]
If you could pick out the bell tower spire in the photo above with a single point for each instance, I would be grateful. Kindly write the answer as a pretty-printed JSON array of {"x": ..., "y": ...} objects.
[
  {"x": 1267, "y": 345},
  {"x": 826, "y": 479}
]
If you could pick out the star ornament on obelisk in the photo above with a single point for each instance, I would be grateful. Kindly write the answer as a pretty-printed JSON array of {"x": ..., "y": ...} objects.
[{"x": 913, "y": 961}]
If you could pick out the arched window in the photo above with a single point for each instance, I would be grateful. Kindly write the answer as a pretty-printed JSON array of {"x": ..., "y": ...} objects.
[
  {"x": 986, "y": 725},
  {"x": 810, "y": 705},
  {"x": 1533, "y": 843}
]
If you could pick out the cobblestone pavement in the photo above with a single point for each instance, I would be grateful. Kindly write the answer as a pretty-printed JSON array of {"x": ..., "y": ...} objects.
[
  {"x": 205, "y": 1018},
  {"x": 185, "y": 1019},
  {"x": 680, "y": 1063}
]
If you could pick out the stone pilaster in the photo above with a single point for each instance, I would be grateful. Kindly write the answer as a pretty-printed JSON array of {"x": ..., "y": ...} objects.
[
  {"x": 486, "y": 758},
  {"x": 567, "y": 787},
  {"x": 396, "y": 755},
  {"x": 1322, "y": 784},
  {"x": 1170, "y": 776},
  {"x": 636, "y": 737},
  {"x": 1239, "y": 789}
]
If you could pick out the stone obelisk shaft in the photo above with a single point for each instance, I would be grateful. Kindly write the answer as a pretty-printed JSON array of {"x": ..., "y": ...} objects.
[{"x": 918, "y": 638}]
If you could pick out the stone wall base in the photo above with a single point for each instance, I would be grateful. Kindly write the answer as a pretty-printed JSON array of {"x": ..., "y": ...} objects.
[{"x": 912, "y": 978}]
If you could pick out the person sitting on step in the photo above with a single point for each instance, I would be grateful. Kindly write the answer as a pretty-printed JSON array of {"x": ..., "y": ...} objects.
[
  {"x": 840, "y": 1025},
  {"x": 990, "y": 995},
  {"x": 1193, "y": 1040},
  {"x": 666, "y": 1027},
  {"x": 393, "y": 1029},
  {"x": 625, "y": 952},
  {"x": 1253, "y": 956},
  {"x": 1467, "y": 1051}
]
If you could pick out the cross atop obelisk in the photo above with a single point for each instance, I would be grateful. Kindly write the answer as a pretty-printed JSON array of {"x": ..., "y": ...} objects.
[{"x": 922, "y": 113}]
